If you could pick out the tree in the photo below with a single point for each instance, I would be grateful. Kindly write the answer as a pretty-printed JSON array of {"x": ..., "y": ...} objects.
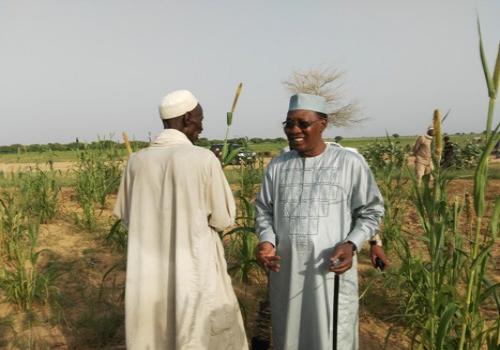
[
  {"x": 326, "y": 83},
  {"x": 203, "y": 142}
]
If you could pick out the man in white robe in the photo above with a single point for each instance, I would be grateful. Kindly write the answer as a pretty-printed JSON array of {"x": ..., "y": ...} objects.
[
  {"x": 423, "y": 154},
  {"x": 317, "y": 206},
  {"x": 174, "y": 198}
]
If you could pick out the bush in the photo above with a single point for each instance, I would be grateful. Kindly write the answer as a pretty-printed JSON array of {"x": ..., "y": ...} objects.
[
  {"x": 465, "y": 156},
  {"x": 98, "y": 174},
  {"x": 380, "y": 155},
  {"x": 40, "y": 193},
  {"x": 23, "y": 279}
]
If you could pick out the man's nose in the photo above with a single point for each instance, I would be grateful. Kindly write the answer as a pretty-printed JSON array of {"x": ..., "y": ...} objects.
[{"x": 294, "y": 130}]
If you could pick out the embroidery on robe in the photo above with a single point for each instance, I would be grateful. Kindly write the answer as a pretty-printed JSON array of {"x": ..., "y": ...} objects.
[{"x": 306, "y": 195}]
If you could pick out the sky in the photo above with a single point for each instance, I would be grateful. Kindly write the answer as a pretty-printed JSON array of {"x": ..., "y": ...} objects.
[{"x": 96, "y": 68}]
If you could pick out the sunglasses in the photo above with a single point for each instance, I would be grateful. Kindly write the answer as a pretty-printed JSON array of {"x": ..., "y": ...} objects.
[{"x": 302, "y": 124}]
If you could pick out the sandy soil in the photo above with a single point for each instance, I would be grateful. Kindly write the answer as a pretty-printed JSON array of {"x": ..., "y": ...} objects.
[{"x": 14, "y": 167}]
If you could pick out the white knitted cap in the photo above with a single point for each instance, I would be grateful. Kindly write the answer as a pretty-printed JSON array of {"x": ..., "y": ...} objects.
[{"x": 177, "y": 103}]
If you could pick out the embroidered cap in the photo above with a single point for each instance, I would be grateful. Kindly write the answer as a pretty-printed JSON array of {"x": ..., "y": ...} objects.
[{"x": 308, "y": 102}]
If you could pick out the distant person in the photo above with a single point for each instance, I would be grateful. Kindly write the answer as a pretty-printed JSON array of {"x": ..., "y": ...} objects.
[
  {"x": 318, "y": 204},
  {"x": 174, "y": 198},
  {"x": 423, "y": 155},
  {"x": 448, "y": 153}
]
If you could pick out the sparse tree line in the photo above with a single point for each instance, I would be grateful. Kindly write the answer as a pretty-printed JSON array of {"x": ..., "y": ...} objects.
[
  {"x": 466, "y": 153},
  {"x": 74, "y": 146}
]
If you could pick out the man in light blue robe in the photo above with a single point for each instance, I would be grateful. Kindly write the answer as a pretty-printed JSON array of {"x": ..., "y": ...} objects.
[{"x": 317, "y": 206}]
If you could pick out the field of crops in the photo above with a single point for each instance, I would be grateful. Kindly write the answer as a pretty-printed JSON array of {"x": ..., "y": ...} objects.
[{"x": 61, "y": 285}]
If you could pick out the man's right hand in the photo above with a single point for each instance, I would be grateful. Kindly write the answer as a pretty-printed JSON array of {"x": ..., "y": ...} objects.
[{"x": 266, "y": 255}]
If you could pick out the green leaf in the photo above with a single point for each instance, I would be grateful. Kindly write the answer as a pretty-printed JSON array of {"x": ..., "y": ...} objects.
[
  {"x": 495, "y": 219},
  {"x": 484, "y": 253},
  {"x": 496, "y": 73},
  {"x": 445, "y": 116},
  {"x": 489, "y": 83},
  {"x": 229, "y": 118},
  {"x": 490, "y": 290},
  {"x": 229, "y": 157},
  {"x": 240, "y": 229},
  {"x": 481, "y": 173},
  {"x": 444, "y": 325}
]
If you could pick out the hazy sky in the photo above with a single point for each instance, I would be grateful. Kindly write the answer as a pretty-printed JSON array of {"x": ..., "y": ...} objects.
[{"x": 86, "y": 68}]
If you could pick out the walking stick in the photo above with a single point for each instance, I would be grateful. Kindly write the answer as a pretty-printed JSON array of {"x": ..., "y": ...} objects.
[{"x": 335, "y": 310}]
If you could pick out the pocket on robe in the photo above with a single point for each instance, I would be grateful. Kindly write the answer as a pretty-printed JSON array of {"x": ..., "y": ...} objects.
[{"x": 222, "y": 319}]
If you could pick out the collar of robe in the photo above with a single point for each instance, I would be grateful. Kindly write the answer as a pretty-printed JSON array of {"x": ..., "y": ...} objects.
[{"x": 170, "y": 137}]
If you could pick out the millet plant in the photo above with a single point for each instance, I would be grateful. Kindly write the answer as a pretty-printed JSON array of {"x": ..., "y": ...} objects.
[{"x": 444, "y": 290}]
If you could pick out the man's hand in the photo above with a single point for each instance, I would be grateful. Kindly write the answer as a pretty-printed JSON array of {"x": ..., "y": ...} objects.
[
  {"x": 266, "y": 255},
  {"x": 376, "y": 251},
  {"x": 341, "y": 259}
]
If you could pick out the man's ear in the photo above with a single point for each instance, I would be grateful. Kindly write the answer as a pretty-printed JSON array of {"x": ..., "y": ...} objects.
[
  {"x": 324, "y": 124},
  {"x": 186, "y": 119}
]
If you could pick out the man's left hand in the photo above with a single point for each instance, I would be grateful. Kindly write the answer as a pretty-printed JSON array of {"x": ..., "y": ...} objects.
[
  {"x": 376, "y": 251},
  {"x": 343, "y": 254}
]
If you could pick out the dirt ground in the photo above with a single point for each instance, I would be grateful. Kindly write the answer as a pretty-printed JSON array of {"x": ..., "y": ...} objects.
[
  {"x": 14, "y": 167},
  {"x": 89, "y": 308}
]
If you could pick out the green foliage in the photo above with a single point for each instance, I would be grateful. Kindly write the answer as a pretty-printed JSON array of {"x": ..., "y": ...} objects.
[
  {"x": 386, "y": 160},
  {"x": 427, "y": 281},
  {"x": 118, "y": 236},
  {"x": 430, "y": 285},
  {"x": 24, "y": 280},
  {"x": 241, "y": 254},
  {"x": 203, "y": 142},
  {"x": 12, "y": 224},
  {"x": 98, "y": 174},
  {"x": 40, "y": 191},
  {"x": 444, "y": 291},
  {"x": 242, "y": 240},
  {"x": 465, "y": 156},
  {"x": 385, "y": 154},
  {"x": 101, "y": 323}
]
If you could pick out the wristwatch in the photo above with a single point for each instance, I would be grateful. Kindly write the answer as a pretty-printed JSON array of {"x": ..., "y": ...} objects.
[{"x": 352, "y": 245}]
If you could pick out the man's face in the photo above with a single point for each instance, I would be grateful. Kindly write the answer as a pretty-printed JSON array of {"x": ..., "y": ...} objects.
[
  {"x": 303, "y": 129},
  {"x": 195, "y": 124}
]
